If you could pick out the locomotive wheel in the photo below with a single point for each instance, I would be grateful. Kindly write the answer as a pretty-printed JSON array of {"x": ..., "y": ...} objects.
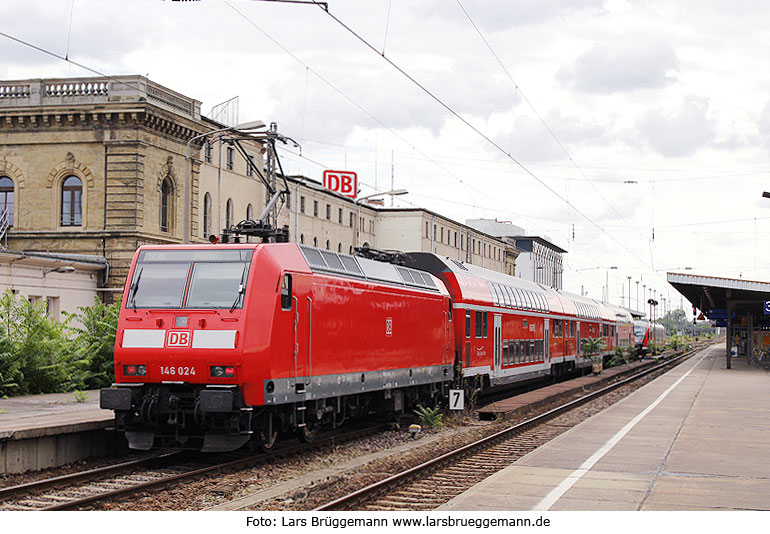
[
  {"x": 267, "y": 442},
  {"x": 307, "y": 433}
]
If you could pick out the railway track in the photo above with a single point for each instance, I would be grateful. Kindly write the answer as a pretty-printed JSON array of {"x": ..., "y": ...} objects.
[
  {"x": 76, "y": 490},
  {"x": 434, "y": 482}
]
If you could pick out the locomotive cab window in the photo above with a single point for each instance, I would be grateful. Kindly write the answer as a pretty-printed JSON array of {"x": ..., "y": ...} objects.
[
  {"x": 286, "y": 293},
  {"x": 217, "y": 279}
]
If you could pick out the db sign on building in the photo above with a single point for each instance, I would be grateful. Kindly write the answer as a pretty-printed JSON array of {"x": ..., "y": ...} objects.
[{"x": 342, "y": 182}]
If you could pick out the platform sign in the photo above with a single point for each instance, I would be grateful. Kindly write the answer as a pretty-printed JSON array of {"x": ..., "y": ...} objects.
[
  {"x": 343, "y": 182},
  {"x": 456, "y": 399},
  {"x": 767, "y": 307}
]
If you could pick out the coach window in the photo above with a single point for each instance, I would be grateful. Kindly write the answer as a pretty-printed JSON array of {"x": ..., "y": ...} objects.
[
  {"x": 484, "y": 327},
  {"x": 286, "y": 292},
  {"x": 556, "y": 328},
  {"x": 467, "y": 324},
  {"x": 479, "y": 325},
  {"x": 506, "y": 296},
  {"x": 505, "y": 353},
  {"x": 495, "y": 295},
  {"x": 450, "y": 309}
]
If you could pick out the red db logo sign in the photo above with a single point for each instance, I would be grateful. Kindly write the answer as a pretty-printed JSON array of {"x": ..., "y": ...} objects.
[
  {"x": 343, "y": 182},
  {"x": 178, "y": 338}
]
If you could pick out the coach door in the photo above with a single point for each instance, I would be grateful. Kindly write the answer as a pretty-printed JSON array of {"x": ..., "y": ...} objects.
[
  {"x": 302, "y": 307},
  {"x": 498, "y": 340},
  {"x": 579, "y": 347}
]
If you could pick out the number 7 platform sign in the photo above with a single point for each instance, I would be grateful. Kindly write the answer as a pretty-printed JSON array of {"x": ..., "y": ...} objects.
[{"x": 456, "y": 399}]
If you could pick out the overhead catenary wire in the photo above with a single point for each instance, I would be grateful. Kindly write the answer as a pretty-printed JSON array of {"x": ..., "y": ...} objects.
[
  {"x": 482, "y": 135},
  {"x": 540, "y": 118},
  {"x": 97, "y": 72}
]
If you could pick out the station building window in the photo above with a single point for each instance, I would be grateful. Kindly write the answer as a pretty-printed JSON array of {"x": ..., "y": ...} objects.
[{"x": 72, "y": 201}]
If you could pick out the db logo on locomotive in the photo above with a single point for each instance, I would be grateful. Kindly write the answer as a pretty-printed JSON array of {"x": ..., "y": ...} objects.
[{"x": 178, "y": 338}]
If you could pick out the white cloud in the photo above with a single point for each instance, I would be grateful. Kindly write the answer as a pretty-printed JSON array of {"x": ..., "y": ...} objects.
[
  {"x": 680, "y": 132},
  {"x": 629, "y": 64}
]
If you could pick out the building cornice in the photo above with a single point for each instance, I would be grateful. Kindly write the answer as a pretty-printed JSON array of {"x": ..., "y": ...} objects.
[{"x": 91, "y": 117}]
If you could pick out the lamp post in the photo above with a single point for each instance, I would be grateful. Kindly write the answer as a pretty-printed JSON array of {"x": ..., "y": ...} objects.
[
  {"x": 637, "y": 295},
  {"x": 607, "y": 283},
  {"x": 629, "y": 291},
  {"x": 392, "y": 192},
  {"x": 253, "y": 125}
]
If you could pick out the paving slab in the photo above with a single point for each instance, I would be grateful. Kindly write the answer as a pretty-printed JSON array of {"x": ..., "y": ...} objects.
[{"x": 700, "y": 440}]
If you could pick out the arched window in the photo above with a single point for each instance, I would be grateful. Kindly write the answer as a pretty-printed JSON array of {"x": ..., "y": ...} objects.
[
  {"x": 207, "y": 215},
  {"x": 166, "y": 205},
  {"x": 71, "y": 201},
  {"x": 302, "y": 238},
  {"x": 249, "y": 212},
  {"x": 6, "y": 197},
  {"x": 229, "y": 213},
  {"x": 339, "y": 247},
  {"x": 315, "y": 242},
  {"x": 327, "y": 244}
]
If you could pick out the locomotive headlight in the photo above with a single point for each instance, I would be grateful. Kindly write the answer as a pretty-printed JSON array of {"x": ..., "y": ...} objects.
[
  {"x": 222, "y": 371},
  {"x": 134, "y": 370}
]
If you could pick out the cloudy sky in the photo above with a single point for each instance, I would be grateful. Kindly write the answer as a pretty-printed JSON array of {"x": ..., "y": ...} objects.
[{"x": 633, "y": 133}]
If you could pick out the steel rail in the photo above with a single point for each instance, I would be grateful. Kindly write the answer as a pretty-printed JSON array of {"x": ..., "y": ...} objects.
[
  {"x": 241, "y": 462},
  {"x": 166, "y": 458},
  {"x": 382, "y": 485},
  {"x": 80, "y": 476}
]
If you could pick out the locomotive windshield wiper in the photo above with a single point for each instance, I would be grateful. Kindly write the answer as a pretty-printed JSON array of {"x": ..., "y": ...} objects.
[
  {"x": 135, "y": 288},
  {"x": 240, "y": 288}
]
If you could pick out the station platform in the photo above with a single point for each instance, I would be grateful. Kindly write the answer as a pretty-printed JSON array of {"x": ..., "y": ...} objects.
[
  {"x": 40, "y": 431},
  {"x": 697, "y": 438}
]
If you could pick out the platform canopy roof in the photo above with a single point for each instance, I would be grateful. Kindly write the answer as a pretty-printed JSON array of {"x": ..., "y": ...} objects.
[{"x": 711, "y": 294}]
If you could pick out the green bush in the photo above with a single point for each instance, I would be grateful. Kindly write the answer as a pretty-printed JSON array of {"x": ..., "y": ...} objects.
[
  {"x": 429, "y": 417},
  {"x": 94, "y": 343},
  {"x": 40, "y": 355}
]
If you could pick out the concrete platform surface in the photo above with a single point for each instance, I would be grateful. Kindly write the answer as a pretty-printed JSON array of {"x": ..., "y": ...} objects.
[
  {"x": 41, "y": 431},
  {"x": 34, "y": 416},
  {"x": 696, "y": 438}
]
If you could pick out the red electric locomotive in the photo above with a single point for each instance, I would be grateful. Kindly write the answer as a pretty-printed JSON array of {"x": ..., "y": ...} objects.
[{"x": 218, "y": 346}]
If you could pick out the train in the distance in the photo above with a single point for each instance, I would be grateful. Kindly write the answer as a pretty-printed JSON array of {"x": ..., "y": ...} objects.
[
  {"x": 648, "y": 336},
  {"x": 224, "y": 346}
]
